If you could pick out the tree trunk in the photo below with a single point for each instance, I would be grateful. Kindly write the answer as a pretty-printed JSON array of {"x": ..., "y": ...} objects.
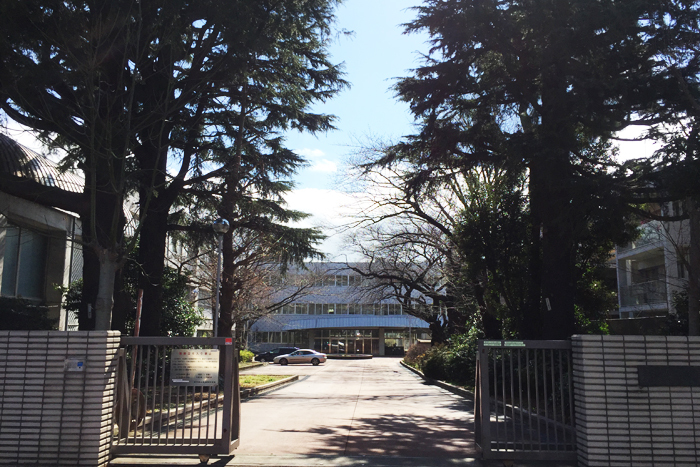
[
  {"x": 156, "y": 201},
  {"x": 557, "y": 211},
  {"x": 109, "y": 266},
  {"x": 91, "y": 282},
  {"x": 152, "y": 261},
  {"x": 227, "y": 287},
  {"x": 694, "y": 270},
  {"x": 122, "y": 304}
]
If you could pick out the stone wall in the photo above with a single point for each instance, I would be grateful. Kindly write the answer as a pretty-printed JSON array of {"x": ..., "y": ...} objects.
[
  {"x": 56, "y": 397},
  {"x": 625, "y": 420}
]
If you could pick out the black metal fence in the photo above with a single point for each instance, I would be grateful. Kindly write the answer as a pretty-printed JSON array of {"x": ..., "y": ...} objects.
[
  {"x": 177, "y": 396},
  {"x": 524, "y": 400}
]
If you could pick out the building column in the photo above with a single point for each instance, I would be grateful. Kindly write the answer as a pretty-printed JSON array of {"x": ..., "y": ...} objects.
[
  {"x": 312, "y": 336},
  {"x": 381, "y": 342}
]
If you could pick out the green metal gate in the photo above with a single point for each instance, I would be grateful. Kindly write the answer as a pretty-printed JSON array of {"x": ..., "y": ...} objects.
[
  {"x": 177, "y": 395},
  {"x": 524, "y": 406}
]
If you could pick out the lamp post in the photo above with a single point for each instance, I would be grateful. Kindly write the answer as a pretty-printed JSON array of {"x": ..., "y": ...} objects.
[{"x": 220, "y": 226}]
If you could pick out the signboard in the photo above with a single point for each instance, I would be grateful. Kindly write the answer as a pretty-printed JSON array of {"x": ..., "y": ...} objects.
[
  {"x": 504, "y": 344},
  {"x": 74, "y": 364},
  {"x": 492, "y": 343},
  {"x": 194, "y": 367}
]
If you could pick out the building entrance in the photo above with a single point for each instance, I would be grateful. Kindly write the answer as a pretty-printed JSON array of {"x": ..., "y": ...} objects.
[{"x": 347, "y": 341}]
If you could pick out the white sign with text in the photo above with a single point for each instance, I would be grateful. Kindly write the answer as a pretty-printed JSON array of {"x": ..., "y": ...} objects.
[{"x": 194, "y": 367}]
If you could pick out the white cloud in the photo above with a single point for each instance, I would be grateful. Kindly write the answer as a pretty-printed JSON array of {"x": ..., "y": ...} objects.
[
  {"x": 324, "y": 166},
  {"x": 310, "y": 153},
  {"x": 330, "y": 210}
]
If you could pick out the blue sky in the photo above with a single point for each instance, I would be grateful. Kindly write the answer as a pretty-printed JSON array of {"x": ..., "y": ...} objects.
[{"x": 373, "y": 57}]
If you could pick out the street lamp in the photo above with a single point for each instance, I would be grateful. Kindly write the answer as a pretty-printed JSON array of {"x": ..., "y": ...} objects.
[{"x": 220, "y": 226}]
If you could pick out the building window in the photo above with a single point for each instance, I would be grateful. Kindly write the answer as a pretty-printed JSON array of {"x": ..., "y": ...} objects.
[
  {"x": 329, "y": 281},
  {"x": 24, "y": 267}
]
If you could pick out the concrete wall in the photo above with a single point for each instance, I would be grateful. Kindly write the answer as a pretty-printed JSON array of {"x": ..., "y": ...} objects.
[
  {"x": 619, "y": 422},
  {"x": 48, "y": 415}
]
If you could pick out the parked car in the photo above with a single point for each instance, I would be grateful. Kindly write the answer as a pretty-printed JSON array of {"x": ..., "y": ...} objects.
[
  {"x": 301, "y": 356},
  {"x": 271, "y": 354}
]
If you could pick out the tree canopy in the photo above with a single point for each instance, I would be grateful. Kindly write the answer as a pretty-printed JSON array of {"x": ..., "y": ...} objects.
[
  {"x": 539, "y": 86},
  {"x": 165, "y": 101}
]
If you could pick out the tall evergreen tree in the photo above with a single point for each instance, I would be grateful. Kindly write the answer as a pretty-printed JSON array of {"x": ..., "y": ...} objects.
[
  {"x": 545, "y": 82},
  {"x": 147, "y": 95}
]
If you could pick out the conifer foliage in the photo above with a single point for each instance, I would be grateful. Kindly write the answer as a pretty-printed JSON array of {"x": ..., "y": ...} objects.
[
  {"x": 540, "y": 85},
  {"x": 164, "y": 102}
]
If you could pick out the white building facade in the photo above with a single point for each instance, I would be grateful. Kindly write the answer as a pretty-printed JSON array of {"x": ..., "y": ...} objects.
[
  {"x": 338, "y": 316},
  {"x": 652, "y": 268}
]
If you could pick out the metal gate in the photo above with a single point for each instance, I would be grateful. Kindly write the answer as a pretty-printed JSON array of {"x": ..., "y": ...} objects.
[
  {"x": 177, "y": 395},
  {"x": 524, "y": 400}
]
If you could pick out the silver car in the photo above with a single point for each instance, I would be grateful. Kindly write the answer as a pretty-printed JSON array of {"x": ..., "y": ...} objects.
[{"x": 301, "y": 356}]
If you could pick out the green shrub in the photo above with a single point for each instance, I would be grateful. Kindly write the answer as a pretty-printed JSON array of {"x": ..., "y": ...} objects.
[
  {"x": 461, "y": 358},
  {"x": 414, "y": 353},
  {"x": 245, "y": 356},
  {"x": 454, "y": 361},
  {"x": 433, "y": 363},
  {"x": 17, "y": 314}
]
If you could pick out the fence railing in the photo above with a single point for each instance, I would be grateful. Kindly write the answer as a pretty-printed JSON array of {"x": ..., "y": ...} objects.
[
  {"x": 524, "y": 400},
  {"x": 177, "y": 395},
  {"x": 643, "y": 293}
]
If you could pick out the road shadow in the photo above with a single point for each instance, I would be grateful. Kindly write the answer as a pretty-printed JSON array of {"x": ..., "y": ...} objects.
[{"x": 398, "y": 435}]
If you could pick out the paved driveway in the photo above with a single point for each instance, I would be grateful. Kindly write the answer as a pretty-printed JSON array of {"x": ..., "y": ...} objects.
[{"x": 356, "y": 408}]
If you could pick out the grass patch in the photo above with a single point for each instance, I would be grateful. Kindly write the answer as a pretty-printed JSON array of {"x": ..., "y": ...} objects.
[{"x": 251, "y": 381}]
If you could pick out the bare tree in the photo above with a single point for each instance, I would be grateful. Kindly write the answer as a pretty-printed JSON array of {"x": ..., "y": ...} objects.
[{"x": 404, "y": 234}]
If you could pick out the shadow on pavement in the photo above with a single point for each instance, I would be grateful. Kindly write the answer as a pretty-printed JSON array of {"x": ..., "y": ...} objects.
[{"x": 399, "y": 435}]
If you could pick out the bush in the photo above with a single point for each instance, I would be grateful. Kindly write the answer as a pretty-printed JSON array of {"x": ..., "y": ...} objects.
[
  {"x": 17, "y": 314},
  {"x": 461, "y": 359},
  {"x": 414, "y": 353},
  {"x": 245, "y": 356},
  {"x": 454, "y": 361},
  {"x": 433, "y": 363}
]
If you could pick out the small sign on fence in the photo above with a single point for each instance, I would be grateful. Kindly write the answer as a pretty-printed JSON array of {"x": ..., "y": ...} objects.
[
  {"x": 74, "y": 364},
  {"x": 493, "y": 343},
  {"x": 194, "y": 367}
]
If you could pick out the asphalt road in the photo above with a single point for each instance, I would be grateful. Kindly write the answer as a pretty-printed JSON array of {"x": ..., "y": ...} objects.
[{"x": 356, "y": 408}]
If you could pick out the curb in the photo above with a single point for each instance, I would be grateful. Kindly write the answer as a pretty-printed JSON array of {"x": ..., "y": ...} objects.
[
  {"x": 349, "y": 357},
  {"x": 248, "y": 367},
  {"x": 246, "y": 393},
  {"x": 446, "y": 386}
]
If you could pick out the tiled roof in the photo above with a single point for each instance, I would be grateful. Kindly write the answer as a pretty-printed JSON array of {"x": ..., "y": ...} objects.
[
  {"x": 20, "y": 161},
  {"x": 298, "y": 322}
]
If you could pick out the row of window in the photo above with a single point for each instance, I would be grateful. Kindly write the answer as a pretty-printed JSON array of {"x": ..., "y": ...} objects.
[
  {"x": 301, "y": 338},
  {"x": 340, "y": 309},
  {"x": 296, "y": 338},
  {"x": 340, "y": 280}
]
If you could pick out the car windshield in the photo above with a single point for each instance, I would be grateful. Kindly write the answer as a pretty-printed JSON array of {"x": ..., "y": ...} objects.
[{"x": 294, "y": 353}]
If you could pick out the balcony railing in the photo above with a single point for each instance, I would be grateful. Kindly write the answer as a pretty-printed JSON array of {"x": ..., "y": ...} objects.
[
  {"x": 643, "y": 293},
  {"x": 651, "y": 232}
]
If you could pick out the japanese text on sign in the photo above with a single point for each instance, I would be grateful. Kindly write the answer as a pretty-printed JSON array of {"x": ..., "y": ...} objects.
[{"x": 194, "y": 367}]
